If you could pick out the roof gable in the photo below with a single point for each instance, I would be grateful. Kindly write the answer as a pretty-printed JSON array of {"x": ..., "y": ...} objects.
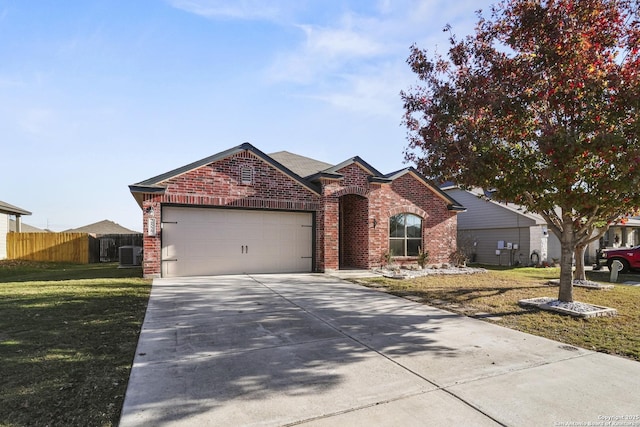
[
  {"x": 358, "y": 161},
  {"x": 333, "y": 172},
  {"x": 157, "y": 180},
  {"x": 452, "y": 204},
  {"x": 157, "y": 184}
]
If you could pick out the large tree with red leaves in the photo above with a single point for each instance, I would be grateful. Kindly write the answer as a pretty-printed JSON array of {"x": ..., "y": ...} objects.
[{"x": 542, "y": 105}]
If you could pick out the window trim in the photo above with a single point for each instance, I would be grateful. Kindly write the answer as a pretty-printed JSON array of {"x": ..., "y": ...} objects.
[{"x": 405, "y": 238}]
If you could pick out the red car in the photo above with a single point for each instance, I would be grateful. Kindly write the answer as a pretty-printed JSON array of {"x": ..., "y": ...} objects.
[{"x": 629, "y": 257}]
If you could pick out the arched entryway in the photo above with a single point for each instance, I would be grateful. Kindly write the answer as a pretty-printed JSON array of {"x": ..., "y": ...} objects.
[{"x": 354, "y": 231}]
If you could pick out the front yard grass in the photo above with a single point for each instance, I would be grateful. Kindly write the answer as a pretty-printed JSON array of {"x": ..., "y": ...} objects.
[
  {"x": 494, "y": 297},
  {"x": 68, "y": 335}
]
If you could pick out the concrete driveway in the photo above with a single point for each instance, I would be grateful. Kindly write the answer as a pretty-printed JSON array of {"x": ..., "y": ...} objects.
[{"x": 313, "y": 350}]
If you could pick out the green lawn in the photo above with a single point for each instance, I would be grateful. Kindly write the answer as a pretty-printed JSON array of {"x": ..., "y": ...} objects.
[
  {"x": 498, "y": 291},
  {"x": 68, "y": 332},
  {"x": 67, "y": 339}
]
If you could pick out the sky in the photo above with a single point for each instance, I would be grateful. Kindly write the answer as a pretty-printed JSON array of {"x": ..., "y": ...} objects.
[{"x": 98, "y": 95}]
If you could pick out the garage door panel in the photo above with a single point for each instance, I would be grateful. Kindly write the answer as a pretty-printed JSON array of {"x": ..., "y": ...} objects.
[{"x": 199, "y": 241}]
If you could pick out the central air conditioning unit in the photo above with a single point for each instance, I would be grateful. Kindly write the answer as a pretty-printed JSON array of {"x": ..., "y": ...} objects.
[{"x": 130, "y": 256}]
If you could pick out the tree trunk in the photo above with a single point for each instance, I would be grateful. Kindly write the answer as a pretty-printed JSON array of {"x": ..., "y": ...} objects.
[
  {"x": 567, "y": 247},
  {"x": 579, "y": 255}
]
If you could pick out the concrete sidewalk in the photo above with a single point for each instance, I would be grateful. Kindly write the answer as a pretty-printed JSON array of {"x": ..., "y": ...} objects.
[{"x": 313, "y": 350}]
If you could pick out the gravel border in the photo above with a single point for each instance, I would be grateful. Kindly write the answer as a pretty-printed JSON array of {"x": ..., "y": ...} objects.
[
  {"x": 404, "y": 273},
  {"x": 575, "y": 308},
  {"x": 582, "y": 284}
]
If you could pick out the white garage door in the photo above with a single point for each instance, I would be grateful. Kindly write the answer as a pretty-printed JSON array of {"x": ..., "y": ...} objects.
[{"x": 200, "y": 241}]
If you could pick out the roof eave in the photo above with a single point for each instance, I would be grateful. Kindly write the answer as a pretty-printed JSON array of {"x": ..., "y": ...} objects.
[
  {"x": 456, "y": 208},
  {"x": 18, "y": 212},
  {"x": 138, "y": 191},
  {"x": 147, "y": 189},
  {"x": 379, "y": 180},
  {"x": 12, "y": 210},
  {"x": 325, "y": 175}
]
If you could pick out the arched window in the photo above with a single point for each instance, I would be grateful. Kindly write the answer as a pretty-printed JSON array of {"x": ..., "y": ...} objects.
[{"x": 405, "y": 234}]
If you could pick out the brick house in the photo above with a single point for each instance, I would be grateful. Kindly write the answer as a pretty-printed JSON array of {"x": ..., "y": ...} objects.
[{"x": 243, "y": 211}]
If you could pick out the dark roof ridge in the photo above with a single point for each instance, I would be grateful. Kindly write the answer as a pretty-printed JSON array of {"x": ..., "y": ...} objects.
[{"x": 357, "y": 159}]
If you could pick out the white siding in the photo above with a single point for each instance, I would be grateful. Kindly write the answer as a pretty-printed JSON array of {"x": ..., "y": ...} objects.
[{"x": 4, "y": 229}]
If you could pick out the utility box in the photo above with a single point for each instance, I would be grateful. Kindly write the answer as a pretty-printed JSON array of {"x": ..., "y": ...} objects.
[{"x": 130, "y": 256}]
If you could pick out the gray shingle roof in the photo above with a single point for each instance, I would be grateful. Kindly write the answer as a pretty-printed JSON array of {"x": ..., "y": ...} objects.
[
  {"x": 303, "y": 166},
  {"x": 303, "y": 169},
  {"x": 102, "y": 227}
]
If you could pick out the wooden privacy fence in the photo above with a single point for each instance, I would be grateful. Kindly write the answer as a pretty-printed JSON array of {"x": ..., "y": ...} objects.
[{"x": 53, "y": 247}]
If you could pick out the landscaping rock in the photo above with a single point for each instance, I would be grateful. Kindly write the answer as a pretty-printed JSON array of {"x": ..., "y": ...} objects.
[
  {"x": 575, "y": 308},
  {"x": 582, "y": 284},
  {"x": 410, "y": 274}
]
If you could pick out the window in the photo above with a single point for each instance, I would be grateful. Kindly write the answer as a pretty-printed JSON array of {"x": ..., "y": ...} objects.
[{"x": 405, "y": 234}]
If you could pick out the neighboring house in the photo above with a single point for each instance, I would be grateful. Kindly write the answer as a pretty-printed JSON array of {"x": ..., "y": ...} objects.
[
  {"x": 8, "y": 212},
  {"x": 625, "y": 235},
  {"x": 243, "y": 211},
  {"x": 102, "y": 227},
  {"x": 502, "y": 233}
]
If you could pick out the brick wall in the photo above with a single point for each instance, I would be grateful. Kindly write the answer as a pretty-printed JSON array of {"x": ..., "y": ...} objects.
[
  {"x": 408, "y": 193},
  {"x": 328, "y": 231},
  {"x": 366, "y": 209},
  {"x": 354, "y": 231},
  {"x": 439, "y": 225}
]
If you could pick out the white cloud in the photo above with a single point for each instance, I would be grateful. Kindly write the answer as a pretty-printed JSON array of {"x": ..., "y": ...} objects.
[
  {"x": 351, "y": 57},
  {"x": 324, "y": 51},
  {"x": 358, "y": 59},
  {"x": 340, "y": 42},
  {"x": 374, "y": 92},
  {"x": 238, "y": 9}
]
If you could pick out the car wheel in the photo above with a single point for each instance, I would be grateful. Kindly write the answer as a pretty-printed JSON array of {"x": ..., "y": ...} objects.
[{"x": 624, "y": 262}]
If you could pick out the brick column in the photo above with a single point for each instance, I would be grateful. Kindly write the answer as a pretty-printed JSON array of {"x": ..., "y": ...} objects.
[
  {"x": 329, "y": 219},
  {"x": 331, "y": 234},
  {"x": 152, "y": 251}
]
